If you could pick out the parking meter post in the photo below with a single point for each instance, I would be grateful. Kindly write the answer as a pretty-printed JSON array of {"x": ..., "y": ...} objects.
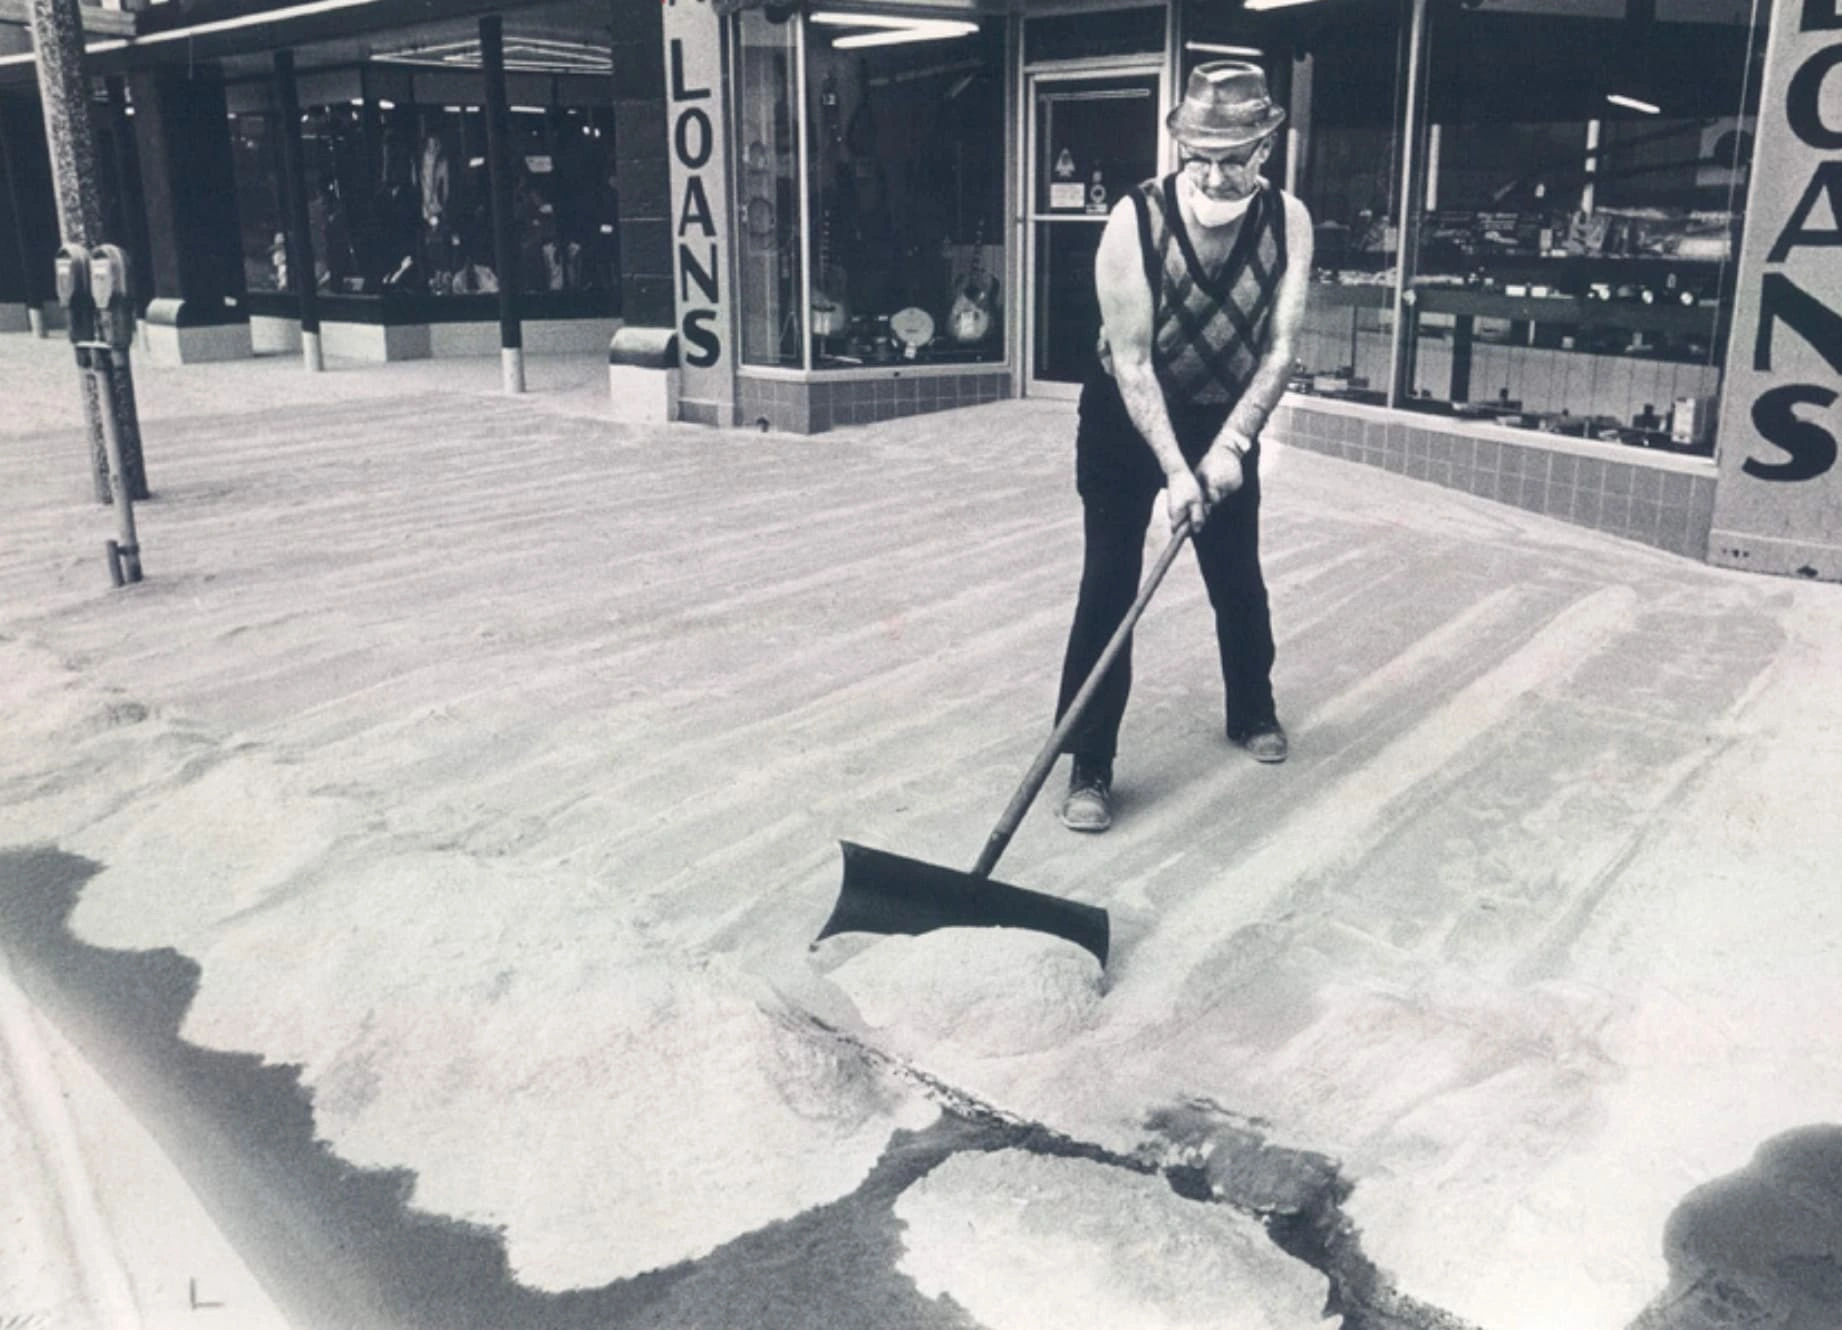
[
  {"x": 92, "y": 286},
  {"x": 112, "y": 335},
  {"x": 64, "y": 95},
  {"x": 125, "y": 551}
]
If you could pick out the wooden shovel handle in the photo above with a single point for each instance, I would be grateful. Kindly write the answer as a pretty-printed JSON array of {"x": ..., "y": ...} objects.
[{"x": 1045, "y": 760}]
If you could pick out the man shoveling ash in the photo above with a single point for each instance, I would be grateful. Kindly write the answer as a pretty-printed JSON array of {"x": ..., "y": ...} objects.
[{"x": 1201, "y": 277}]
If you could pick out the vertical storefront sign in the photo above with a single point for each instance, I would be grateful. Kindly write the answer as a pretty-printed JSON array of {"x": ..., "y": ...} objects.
[
  {"x": 1779, "y": 504},
  {"x": 695, "y": 102}
]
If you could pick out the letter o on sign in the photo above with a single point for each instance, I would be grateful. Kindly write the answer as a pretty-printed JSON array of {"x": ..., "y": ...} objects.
[
  {"x": 1804, "y": 100},
  {"x": 682, "y": 134}
]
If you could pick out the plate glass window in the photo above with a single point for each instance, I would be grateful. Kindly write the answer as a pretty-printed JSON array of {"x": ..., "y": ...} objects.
[{"x": 1579, "y": 217}]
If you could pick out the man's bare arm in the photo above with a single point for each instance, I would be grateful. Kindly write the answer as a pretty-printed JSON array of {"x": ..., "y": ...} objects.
[
  {"x": 1126, "y": 312},
  {"x": 1269, "y": 380}
]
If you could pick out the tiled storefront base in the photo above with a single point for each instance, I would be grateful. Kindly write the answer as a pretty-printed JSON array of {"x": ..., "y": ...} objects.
[
  {"x": 802, "y": 407},
  {"x": 1660, "y": 499}
]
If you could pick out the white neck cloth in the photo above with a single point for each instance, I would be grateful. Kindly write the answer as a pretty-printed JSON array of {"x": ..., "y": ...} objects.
[{"x": 1211, "y": 211}]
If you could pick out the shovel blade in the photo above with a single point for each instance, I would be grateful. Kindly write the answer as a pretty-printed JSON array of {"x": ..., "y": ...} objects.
[{"x": 886, "y": 893}]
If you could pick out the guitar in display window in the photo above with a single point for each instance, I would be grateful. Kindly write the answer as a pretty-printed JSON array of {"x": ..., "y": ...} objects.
[{"x": 975, "y": 300}]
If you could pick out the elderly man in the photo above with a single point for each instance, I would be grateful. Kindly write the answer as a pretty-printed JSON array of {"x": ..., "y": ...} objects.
[{"x": 1201, "y": 277}]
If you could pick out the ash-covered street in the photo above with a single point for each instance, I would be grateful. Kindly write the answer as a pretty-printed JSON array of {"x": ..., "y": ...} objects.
[{"x": 419, "y": 869}]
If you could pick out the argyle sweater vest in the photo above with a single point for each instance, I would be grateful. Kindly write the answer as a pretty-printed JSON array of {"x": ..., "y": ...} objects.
[{"x": 1209, "y": 330}]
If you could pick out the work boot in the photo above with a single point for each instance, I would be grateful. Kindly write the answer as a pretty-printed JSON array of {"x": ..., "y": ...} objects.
[
  {"x": 1089, "y": 803},
  {"x": 1265, "y": 742}
]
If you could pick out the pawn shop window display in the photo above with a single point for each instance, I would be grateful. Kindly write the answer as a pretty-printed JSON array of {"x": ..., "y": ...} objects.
[
  {"x": 456, "y": 223},
  {"x": 905, "y": 184}
]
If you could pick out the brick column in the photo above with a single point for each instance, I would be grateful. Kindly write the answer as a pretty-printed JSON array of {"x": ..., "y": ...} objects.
[
  {"x": 641, "y": 164},
  {"x": 182, "y": 134},
  {"x": 28, "y": 217}
]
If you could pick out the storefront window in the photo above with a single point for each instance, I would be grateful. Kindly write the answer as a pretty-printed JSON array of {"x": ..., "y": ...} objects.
[
  {"x": 906, "y": 190},
  {"x": 767, "y": 193},
  {"x": 346, "y": 221},
  {"x": 903, "y": 192},
  {"x": 398, "y": 199},
  {"x": 1336, "y": 67},
  {"x": 257, "y": 160},
  {"x": 1583, "y": 184}
]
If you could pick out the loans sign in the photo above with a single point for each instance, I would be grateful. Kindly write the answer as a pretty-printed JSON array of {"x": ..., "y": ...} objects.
[
  {"x": 700, "y": 209},
  {"x": 1779, "y": 505}
]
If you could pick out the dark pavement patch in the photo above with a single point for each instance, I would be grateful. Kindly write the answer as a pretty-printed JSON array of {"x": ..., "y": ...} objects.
[
  {"x": 1761, "y": 1247},
  {"x": 340, "y": 1246}
]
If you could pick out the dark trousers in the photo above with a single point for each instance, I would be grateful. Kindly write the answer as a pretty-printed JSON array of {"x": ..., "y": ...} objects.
[{"x": 1119, "y": 480}]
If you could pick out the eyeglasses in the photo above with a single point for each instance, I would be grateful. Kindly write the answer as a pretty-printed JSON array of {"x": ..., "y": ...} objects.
[{"x": 1199, "y": 166}]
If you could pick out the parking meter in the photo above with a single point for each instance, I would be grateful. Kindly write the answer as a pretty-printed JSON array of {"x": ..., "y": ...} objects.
[
  {"x": 73, "y": 274},
  {"x": 93, "y": 289},
  {"x": 109, "y": 291}
]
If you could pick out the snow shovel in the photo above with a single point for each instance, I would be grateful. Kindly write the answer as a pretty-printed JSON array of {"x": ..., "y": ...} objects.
[{"x": 886, "y": 893}]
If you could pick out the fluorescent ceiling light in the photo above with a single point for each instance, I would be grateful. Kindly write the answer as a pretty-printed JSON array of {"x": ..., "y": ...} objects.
[
  {"x": 1273, "y": 4},
  {"x": 918, "y": 31},
  {"x": 1216, "y": 48},
  {"x": 890, "y": 30},
  {"x": 1619, "y": 99},
  {"x": 843, "y": 20},
  {"x": 539, "y": 55},
  {"x": 92, "y": 48},
  {"x": 251, "y": 20}
]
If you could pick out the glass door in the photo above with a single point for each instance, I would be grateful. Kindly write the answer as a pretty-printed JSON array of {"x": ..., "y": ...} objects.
[{"x": 1093, "y": 135}]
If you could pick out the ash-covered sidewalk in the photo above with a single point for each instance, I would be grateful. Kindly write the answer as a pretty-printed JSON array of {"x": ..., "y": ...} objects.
[{"x": 481, "y": 762}]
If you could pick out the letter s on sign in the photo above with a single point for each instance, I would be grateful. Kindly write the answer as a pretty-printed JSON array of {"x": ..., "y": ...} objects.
[
  {"x": 699, "y": 334},
  {"x": 1812, "y": 448}
]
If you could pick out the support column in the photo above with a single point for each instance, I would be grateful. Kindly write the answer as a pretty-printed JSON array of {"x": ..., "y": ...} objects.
[
  {"x": 20, "y": 293},
  {"x": 1412, "y": 189},
  {"x": 182, "y": 133},
  {"x": 499, "y": 173},
  {"x": 642, "y": 165},
  {"x": 64, "y": 95},
  {"x": 303, "y": 271},
  {"x": 701, "y": 229}
]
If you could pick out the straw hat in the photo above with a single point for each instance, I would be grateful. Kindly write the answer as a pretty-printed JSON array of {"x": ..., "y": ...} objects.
[{"x": 1225, "y": 105}]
